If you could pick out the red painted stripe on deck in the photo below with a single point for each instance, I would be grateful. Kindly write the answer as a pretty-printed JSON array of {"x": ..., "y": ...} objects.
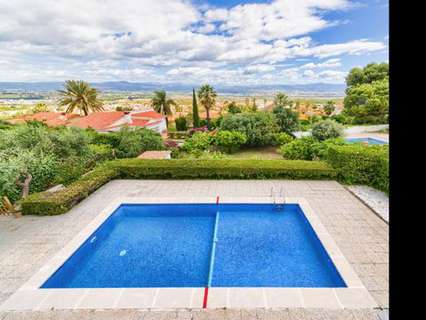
[
  {"x": 206, "y": 294},
  {"x": 217, "y": 200}
]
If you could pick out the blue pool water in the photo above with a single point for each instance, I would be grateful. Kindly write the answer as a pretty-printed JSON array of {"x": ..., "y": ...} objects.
[
  {"x": 366, "y": 140},
  {"x": 199, "y": 245}
]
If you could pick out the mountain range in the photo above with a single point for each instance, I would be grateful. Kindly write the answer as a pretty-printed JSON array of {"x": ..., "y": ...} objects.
[{"x": 126, "y": 86}]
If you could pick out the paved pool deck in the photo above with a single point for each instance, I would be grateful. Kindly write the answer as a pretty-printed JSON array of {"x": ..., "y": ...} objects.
[{"x": 28, "y": 243}]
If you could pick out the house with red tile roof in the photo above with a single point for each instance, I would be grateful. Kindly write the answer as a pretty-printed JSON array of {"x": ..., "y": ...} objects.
[
  {"x": 108, "y": 121},
  {"x": 51, "y": 119}
]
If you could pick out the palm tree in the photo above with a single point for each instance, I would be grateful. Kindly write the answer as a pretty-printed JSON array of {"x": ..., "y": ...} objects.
[
  {"x": 80, "y": 95},
  {"x": 207, "y": 96},
  {"x": 281, "y": 99},
  {"x": 162, "y": 105}
]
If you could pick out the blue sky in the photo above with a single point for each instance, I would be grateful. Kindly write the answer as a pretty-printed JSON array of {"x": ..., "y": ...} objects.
[{"x": 214, "y": 41}]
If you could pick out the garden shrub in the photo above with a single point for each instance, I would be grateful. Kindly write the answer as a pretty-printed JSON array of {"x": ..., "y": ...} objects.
[
  {"x": 230, "y": 141},
  {"x": 340, "y": 118},
  {"x": 70, "y": 170},
  {"x": 259, "y": 127},
  {"x": 132, "y": 142},
  {"x": 200, "y": 129},
  {"x": 199, "y": 141},
  {"x": 306, "y": 148},
  {"x": 42, "y": 167},
  {"x": 359, "y": 164},
  {"x": 45, "y": 203},
  {"x": 327, "y": 129},
  {"x": 282, "y": 138},
  {"x": 100, "y": 152},
  {"x": 170, "y": 144},
  {"x": 60, "y": 155},
  {"x": 5, "y": 125},
  {"x": 321, "y": 149},
  {"x": 68, "y": 142},
  {"x": 216, "y": 122},
  {"x": 110, "y": 138},
  {"x": 26, "y": 137},
  {"x": 287, "y": 119},
  {"x": 181, "y": 124},
  {"x": 177, "y": 135}
]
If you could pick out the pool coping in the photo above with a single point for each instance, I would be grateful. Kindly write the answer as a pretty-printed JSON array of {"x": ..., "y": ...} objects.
[{"x": 30, "y": 297}]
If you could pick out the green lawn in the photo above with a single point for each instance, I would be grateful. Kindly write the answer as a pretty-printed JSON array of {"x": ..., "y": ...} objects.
[{"x": 261, "y": 153}]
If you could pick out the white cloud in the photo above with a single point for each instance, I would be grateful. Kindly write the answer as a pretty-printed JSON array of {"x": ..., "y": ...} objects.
[
  {"x": 277, "y": 20},
  {"x": 147, "y": 40},
  {"x": 331, "y": 63},
  {"x": 258, "y": 68}
]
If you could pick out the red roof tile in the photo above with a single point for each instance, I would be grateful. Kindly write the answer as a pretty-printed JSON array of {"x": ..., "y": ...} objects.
[
  {"x": 147, "y": 114},
  {"x": 52, "y": 119},
  {"x": 98, "y": 120},
  {"x": 138, "y": 122}
]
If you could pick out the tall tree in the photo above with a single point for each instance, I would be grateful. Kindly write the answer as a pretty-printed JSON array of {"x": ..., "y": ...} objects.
[
  {"x": 207, "y": 96},
  {"x": 162, "y": 105},
  {"x": 286, "y": 118},
  {"x": 81, "y": 96},
  {"x": 329, "y": 107},
  {"x": 367, "y": 94},
  {"x": 254, "y": 106},
  {"x": 195, "y": 115},
  {"x": 282, "y": 100},
  {"x": 371, "y": 72}
]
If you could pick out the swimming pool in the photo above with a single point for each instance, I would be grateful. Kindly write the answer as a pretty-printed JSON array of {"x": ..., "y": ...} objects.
[
  {"x": 160, "y": 253},
  {"x": 370, "y": 141},
  {"x": 200, "y": 245}
]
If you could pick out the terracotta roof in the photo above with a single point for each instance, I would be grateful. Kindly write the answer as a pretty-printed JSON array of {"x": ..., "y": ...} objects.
[
  {"x": 138, "y": 122},
  {"x": 98, "y": 120},
  {"x": 52, "y": 119},
  {"x": 155, "y": 155},
  {"x": 147, "y": 114}
]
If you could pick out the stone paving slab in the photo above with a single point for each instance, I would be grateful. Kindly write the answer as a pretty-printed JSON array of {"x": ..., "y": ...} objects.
[
  {"x": 29, "y": 242},
  {"x": 377, "y": 200},
  {"x": 217, "y": 314}
]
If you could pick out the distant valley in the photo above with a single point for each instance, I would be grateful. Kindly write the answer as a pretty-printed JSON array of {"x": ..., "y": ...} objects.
[{"x": 316, "y": 89}]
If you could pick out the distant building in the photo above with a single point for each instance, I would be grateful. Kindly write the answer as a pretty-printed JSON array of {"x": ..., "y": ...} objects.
[
  {"x": 51, "y": 119},
  {"x": 101, "y": 121}
]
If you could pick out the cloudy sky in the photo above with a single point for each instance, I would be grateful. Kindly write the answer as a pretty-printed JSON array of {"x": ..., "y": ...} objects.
[{"x": 198, "y": 41}]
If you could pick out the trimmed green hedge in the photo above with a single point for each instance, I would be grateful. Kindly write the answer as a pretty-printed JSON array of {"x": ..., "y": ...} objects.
[
  {"x": 223, "y": 169},
  {"x": 358, "y": 164},
  {"x": 45, "y": 203},
  {"x": 60, "y": 202}
]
